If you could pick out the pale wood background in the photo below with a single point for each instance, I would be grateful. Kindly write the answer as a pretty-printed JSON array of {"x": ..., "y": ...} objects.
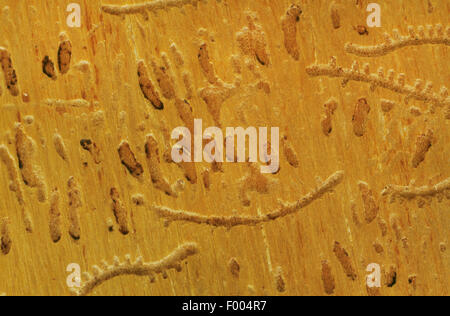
[{"x": 298, "y": 244}]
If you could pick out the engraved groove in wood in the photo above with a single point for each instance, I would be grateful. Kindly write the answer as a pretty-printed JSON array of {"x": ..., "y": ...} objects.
[
  {"x": 416, "y": 92},
  {"x": 139, "y": 268},
  {"x": 74, "y": 195},
  {"x": 9, "y": 72},
  {"x": 289, "y": 27},
  {"x": 232, "y": 221},
  {"x": 120, "y": 213},
  {"x": 417, "y": 37},
  {"x": 15, "y": 185},
  {"x": 143, "y": 7}
]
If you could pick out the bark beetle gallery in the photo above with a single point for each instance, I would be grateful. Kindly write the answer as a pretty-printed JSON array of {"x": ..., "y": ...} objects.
[{"x": 237, "y": 148}]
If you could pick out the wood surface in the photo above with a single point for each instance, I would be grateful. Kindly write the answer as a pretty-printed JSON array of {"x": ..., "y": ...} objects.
[{"x": 84, "y": 170}]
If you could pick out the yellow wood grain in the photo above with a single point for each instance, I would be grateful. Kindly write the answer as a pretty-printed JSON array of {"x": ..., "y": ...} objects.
[{"x": 281, "y": 257}]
